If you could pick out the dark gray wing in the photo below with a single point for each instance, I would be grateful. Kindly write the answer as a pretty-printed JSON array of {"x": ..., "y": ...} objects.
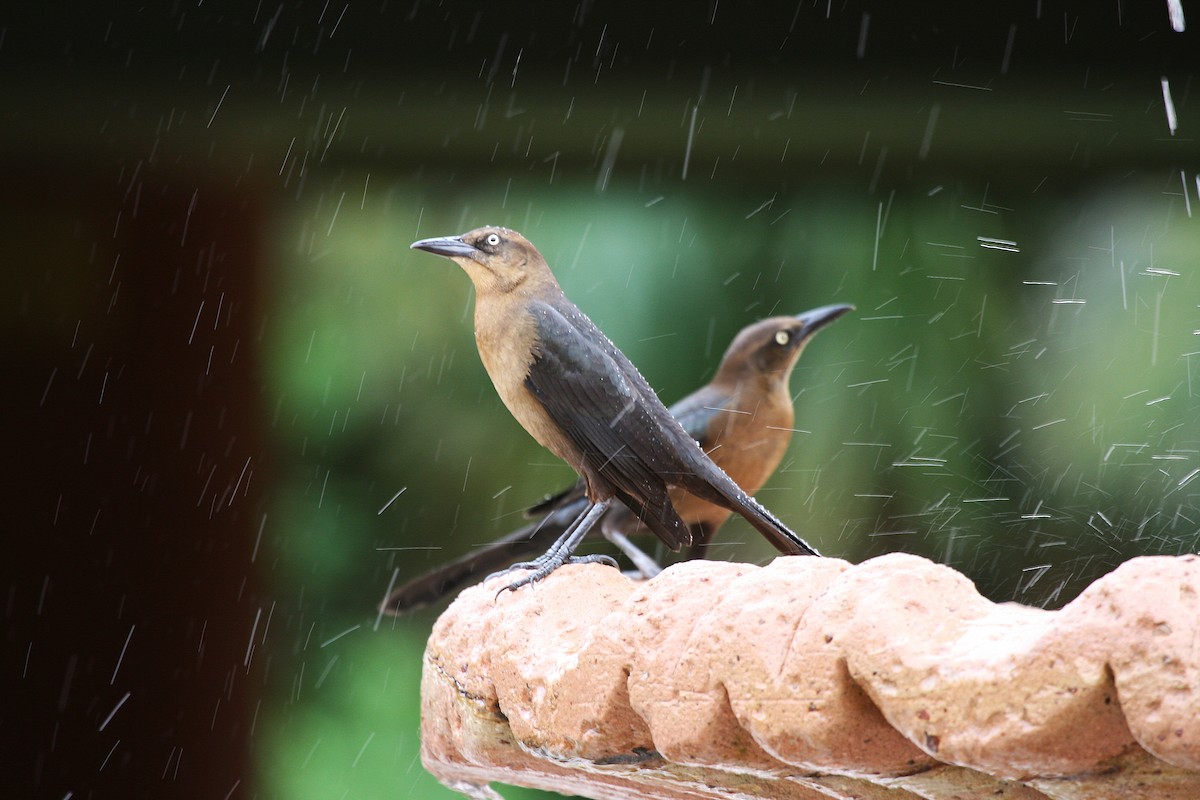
[
  {"x": 628, "y": 441},
  {"x": 600, "y": 402},
  {"x": 694, "y": 412}
]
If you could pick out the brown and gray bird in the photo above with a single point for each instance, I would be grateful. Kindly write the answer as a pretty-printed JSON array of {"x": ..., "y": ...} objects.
[
  {"x": 743, "y": 419},
  {"x": 583, "y": 400}
]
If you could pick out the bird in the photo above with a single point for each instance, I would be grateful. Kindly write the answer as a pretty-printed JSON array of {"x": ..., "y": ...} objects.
[
  {"x": 742, "y": 419},
  {"x": 582, "y": 399}
]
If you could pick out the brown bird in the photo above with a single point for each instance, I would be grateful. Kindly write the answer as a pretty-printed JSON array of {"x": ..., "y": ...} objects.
[
  {"x": 583, "y": 400},
  {"x": 743, "y": 419}
]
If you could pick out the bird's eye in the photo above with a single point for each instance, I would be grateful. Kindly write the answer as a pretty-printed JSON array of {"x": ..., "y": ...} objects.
[
  {"x": 782, "y": 337},
  {"x": 492, "y": 239}
]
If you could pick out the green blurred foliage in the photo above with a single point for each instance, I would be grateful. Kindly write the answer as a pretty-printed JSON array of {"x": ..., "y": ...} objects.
[{"x": 349, "y": 728}]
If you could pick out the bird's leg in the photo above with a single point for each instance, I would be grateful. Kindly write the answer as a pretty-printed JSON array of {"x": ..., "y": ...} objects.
[
  {"x": 561, "y": 551},
  {"x": 645, "y": 564}
]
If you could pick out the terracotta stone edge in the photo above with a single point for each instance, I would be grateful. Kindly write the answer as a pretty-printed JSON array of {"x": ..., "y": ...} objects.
[{"x": 814, "y": 678}]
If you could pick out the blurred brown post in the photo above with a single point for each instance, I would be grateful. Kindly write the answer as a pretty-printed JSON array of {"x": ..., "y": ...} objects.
[{"x": 132, "y": 604}]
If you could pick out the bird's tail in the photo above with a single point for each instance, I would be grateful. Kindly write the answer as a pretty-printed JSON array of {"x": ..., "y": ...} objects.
[
  {"x": 719, "y": 488},
  {"x": 454, "y": 576},
  {"x": 553, "y": 502},
  {"x": 784, "y": 538}
]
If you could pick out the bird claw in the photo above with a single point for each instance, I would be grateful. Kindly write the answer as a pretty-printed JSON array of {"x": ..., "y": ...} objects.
[{"x": 542, "y": 567}]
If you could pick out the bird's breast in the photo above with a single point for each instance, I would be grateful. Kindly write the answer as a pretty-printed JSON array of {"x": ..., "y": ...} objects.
[
  {"x": 506, "y": 335},
  {"x": 506, "y": 343},
  {"x": 749, "y": 439}
]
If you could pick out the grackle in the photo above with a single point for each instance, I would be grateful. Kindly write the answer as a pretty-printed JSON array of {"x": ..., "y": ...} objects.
[
  {"x": 583, "y": 400},
  {"x": 743, "y": 419}
]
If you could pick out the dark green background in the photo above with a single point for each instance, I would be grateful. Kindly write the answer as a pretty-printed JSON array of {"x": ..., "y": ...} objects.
[{"x": 226, "y": 361}]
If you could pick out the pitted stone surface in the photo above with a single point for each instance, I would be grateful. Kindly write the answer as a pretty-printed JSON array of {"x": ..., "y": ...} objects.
[{"x": 814, "y": 678}]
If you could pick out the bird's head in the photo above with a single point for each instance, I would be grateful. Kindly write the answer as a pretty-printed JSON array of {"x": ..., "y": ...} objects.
[
  {"x": 769, "y": 348},
  {"x": 497, "y": 259}
]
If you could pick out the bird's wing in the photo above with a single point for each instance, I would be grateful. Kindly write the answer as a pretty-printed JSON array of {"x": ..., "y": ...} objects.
[
  {"x": 695, "y": 412},
  {"x": 589, "y": 390},
  {"x": 603, "y": 405}
]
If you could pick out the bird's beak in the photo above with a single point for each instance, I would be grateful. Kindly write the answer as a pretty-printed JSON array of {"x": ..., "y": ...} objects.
[
  {"x": 813, "y": 321},
  {"x": 449, "y": 246}
]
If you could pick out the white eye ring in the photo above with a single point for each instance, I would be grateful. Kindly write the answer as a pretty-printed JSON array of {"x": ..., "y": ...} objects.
[
  {"x": 782, "y": 337},
  {"x": 493, "y": 239}
]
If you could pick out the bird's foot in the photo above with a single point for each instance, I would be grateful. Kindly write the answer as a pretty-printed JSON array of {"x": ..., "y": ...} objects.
[{"x": 543, "y": 566}]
